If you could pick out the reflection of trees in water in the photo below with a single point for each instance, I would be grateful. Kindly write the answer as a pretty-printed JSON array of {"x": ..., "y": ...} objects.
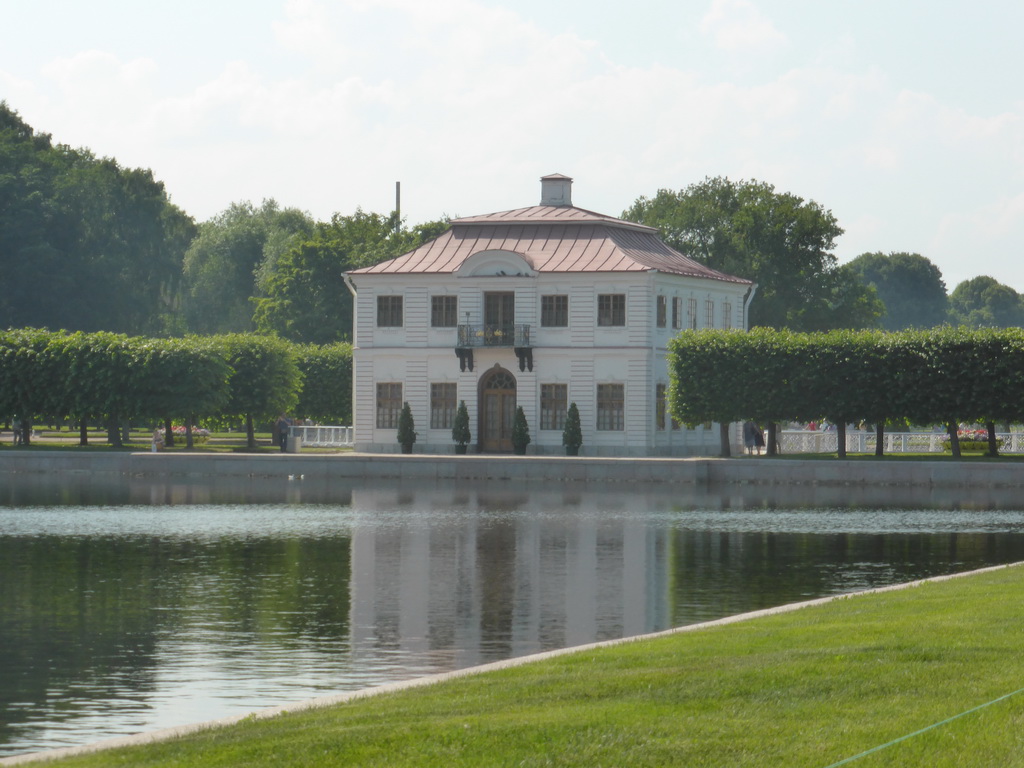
[
  {"x": 716, "y": 574},
  {"x": 84, "y": 618}
]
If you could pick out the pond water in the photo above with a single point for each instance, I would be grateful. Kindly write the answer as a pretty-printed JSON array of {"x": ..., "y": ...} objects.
[{"x": 128, "y": 606}]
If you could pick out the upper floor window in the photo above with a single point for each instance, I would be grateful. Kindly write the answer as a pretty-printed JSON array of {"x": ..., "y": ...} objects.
[
  {"x": 444, "y": 311},
  {"x": 709, "y": 313},
  {"x": 611, "y": 309},
  {"x": 554, "y": 311},
  {"x": 691, "y": 314},
  {"x": 662, "y": 311},
  {"x": 677, "y": 312},
  {"x": 727, "y": 314},
  {"x": 389, "y": 311}
]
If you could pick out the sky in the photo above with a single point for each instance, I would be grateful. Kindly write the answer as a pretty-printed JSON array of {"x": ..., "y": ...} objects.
[{"x": 905, "y": 119}]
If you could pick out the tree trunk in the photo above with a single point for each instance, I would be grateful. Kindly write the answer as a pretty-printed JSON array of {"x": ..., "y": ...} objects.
[
  {"x": 114, "y": 431},
  {"x": 250, "y": 433},
  {"x": 26, "y": 431},
  {"x": 83, "y": 432},
  {"x": 993, "y": 444},
  {"x": 773, "y": 439},
  {"x": 168, "y": 434},
  {"x": 954, "y": 440},
  {"x": 880, "y": 438},
  {"x": 723, "y": 433},
  {"x": 841, "y": 439}
]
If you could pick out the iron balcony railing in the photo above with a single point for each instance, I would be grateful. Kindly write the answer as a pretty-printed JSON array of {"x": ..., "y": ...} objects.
[{"x": 494, "y": 336}]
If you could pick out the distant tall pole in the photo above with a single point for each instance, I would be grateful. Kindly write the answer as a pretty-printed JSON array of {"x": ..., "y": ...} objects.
[{"x": 398, "y": 206}]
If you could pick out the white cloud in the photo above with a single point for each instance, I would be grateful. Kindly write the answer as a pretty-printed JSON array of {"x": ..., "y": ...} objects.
[
  {"x": 738, "y": 26},
  {"x": 467, "y": 104}
]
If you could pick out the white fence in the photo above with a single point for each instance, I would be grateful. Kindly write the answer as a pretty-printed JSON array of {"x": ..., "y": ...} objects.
[
  {"x": 323, "y": 437},
  {"x": 814, "y": 441}
]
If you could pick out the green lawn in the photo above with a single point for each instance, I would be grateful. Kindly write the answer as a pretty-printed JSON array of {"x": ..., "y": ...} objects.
[{"x": 809, "y": 688}]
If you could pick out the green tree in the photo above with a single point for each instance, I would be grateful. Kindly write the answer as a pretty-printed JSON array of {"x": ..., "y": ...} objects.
[
  {"x": 186, "y": 378},
  {"x": 983, "y": 302},
  {"x": 305, "y": 298},
  {"x": 265, "y": 379},
  {"x": 909, "y": 285},
  {"x": 520, "y": 432},
  {"x": 461, "y": 435},
  {"x": 778, "y": 240},
  {"x": 226, "y": 262},
  {"x": 84, "y": 243},
  {"x": 406, "y": 434},
  {"x": 572, "y": 432},
  {"x": 326, "y": 382}
]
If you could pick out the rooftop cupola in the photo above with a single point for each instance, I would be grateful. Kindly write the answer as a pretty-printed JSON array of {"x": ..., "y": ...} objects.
[{"x": 555, "y": 189}]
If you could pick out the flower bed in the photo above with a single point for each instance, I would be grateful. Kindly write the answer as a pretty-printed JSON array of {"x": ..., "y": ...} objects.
[
  {"x": 970, "y": 440},
  {"x": 199, "y": 436}
]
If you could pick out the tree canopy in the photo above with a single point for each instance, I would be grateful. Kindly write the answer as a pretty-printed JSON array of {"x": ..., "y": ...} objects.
[
  {"x": 85, "y": 244},
  {"x": 306, "y": 299},
  {"x": 984, "y": 302},
  {"x": 229, "y": 259},
  {"x": 778, "y": 240},
  {"x": 909, "y": 285}
]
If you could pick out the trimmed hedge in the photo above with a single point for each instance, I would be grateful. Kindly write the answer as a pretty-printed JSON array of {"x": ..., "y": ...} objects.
[{"x": 943, "y": 376}]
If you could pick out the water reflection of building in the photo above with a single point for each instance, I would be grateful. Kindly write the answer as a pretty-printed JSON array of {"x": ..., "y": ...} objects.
[{"x": 500, "y": 584}]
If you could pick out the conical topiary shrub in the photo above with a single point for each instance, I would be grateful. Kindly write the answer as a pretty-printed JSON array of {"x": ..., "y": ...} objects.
[
  {"x": 460, "y": 428},
  {"x": 406, "y": 429},
  {"x": 520, "y": 432},
  {"x": 572, "y": 433}
]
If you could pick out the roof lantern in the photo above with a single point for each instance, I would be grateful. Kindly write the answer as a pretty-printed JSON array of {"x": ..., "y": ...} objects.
[{"x": 555, "y": 189}]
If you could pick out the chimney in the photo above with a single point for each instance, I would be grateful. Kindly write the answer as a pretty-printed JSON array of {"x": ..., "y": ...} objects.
[{"x": 555, "y": 189}]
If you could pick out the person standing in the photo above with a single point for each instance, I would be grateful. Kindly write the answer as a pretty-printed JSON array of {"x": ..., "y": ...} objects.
[{"x": 284, "y": 425}]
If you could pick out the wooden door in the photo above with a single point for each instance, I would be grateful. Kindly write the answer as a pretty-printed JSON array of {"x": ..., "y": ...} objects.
[{"x": 498, "y": 400}]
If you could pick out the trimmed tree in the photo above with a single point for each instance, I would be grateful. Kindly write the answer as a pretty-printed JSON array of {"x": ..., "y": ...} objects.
[
  {"x": 406, "y": 429},
  {"x": 572, "y": 432},
  {"x": 520, "y": 432},
  {"x": 265, "y": 379},
  {"x": 460, "y": 428}
]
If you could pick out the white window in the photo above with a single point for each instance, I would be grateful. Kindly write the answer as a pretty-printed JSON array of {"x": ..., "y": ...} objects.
[
  {"x": 554, "y": 311},
  {"x": 389, "y": 404},
  {"x": 444, "y": 311},
  {"x": 611, "y": 309},
  {"x": 611, "y": 407},
  {"x": 442, "y": 405},
  {"x": 389, "y": 311},
  {"x": 553, "y": 400}
]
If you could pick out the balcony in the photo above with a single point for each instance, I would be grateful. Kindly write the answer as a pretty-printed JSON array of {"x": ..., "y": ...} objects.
[
  {"x": 494, "y": 336},
  {"x": 515, "y": 336}
]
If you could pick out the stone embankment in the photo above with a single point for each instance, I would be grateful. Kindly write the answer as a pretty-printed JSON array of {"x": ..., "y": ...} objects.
[{"x": 695, "y": 472}]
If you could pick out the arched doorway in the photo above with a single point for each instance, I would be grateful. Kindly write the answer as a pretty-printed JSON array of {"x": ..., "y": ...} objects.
[{"x": 497, "y": 410}]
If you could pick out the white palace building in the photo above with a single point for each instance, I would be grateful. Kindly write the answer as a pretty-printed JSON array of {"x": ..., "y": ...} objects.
[{"x": 536, "y": 307}]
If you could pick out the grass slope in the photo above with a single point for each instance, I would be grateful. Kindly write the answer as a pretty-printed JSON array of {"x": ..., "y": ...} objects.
[{"x": 808, "y": 688}]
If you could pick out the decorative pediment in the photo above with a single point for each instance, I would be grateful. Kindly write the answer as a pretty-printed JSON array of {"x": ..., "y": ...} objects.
[{"x": 496, "y": 263}]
